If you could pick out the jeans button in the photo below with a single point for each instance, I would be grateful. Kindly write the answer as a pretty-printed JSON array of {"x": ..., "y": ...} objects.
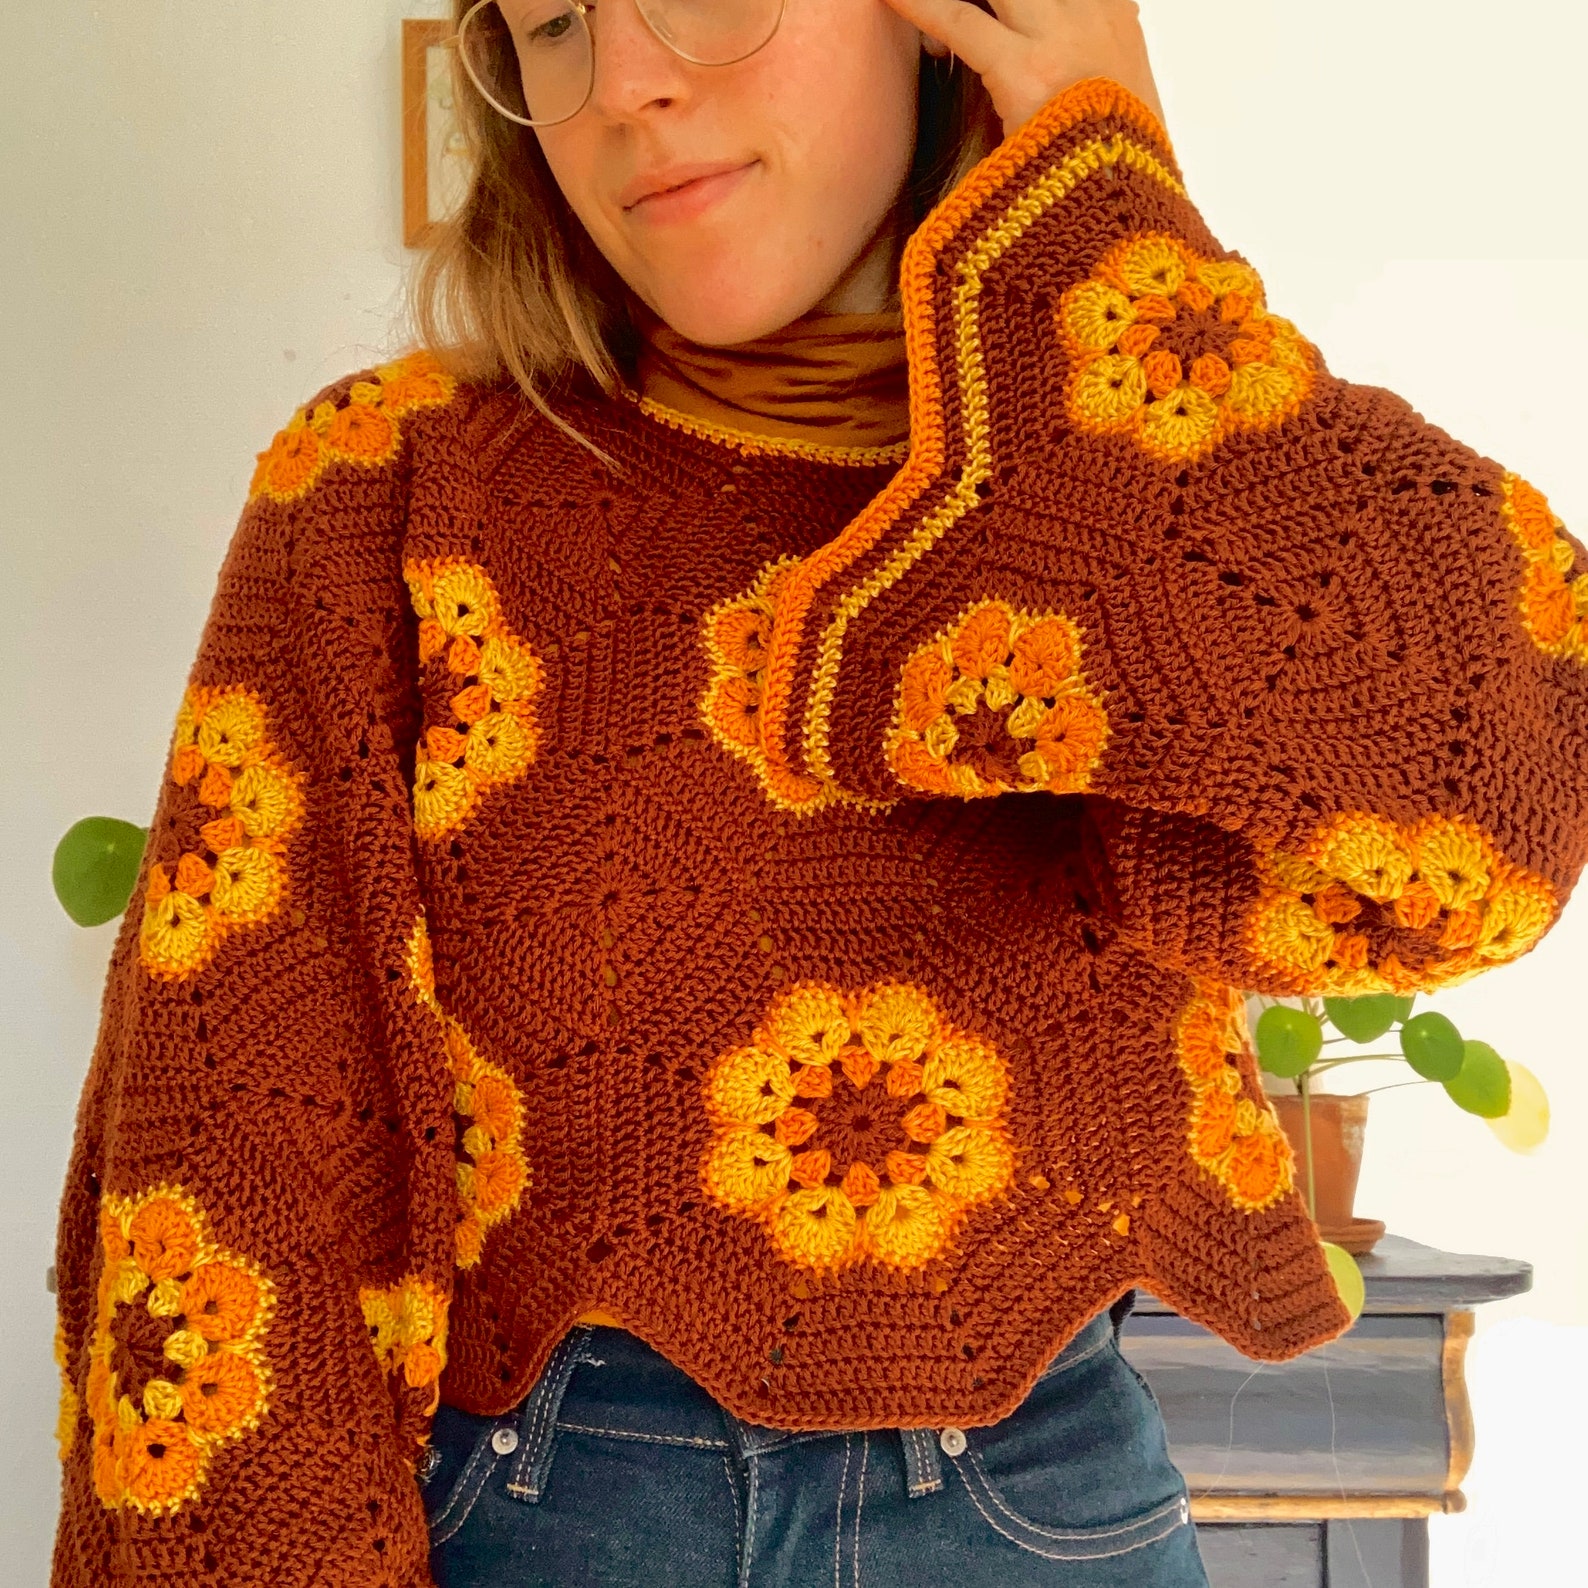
[
  {"x": 504, "y": 1441},
  {"x": 953, "y": 1441}
]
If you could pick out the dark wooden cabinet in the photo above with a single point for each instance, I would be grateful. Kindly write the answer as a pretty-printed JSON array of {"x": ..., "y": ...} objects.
[{"x": 1321, "y": 1472}]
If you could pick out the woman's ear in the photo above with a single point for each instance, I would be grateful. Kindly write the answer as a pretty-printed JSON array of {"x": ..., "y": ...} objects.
[{"x": 933, "y": 47}]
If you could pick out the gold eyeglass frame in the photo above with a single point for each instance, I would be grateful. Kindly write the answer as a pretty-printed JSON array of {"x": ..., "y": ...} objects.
[{"x": 581, "y": 9}]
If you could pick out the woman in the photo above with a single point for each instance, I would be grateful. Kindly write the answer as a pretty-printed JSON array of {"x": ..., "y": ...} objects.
[{"x": 593, "y": 992}]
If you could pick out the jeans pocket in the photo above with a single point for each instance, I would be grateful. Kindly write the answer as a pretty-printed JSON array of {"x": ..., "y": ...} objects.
[
  {"x": 1095, "y": 1542},
  {"x": 1081, "y": 1470},
  {"x": 452, "y": 1490}
]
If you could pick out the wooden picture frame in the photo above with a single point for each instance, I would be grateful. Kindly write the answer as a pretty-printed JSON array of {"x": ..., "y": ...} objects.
[{"x": 434, "y": 156}]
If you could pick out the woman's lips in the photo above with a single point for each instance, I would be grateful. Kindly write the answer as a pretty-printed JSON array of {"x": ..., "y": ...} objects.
[{"x": 685, "y": 194}]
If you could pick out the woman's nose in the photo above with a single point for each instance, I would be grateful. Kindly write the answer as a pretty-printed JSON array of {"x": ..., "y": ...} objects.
[{"x": 634, "y": 70}]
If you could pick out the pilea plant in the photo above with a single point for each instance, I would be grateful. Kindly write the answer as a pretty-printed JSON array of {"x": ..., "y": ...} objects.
[
  {"x": 1292, "y": 1043},
  {"x": 1507, "y": 1096}
]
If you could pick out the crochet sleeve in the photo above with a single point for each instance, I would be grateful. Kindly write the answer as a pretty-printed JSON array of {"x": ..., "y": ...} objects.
[
  {"x": 1319, "y": 671},
  {"x": 255, "y": 1244}
]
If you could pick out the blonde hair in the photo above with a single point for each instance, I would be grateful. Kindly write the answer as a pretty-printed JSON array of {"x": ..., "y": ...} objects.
[{"x": 512, "y": 283}]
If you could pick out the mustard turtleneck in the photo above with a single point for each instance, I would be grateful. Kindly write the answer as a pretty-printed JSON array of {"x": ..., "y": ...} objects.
[{"x": 839, "y": 380}]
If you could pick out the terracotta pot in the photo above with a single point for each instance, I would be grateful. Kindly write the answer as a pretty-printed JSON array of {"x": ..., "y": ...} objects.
[{"x": 1338, "y": 1121}]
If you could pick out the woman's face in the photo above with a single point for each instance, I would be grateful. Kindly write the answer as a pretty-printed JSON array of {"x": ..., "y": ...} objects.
[{"x": 733, "y": 199}]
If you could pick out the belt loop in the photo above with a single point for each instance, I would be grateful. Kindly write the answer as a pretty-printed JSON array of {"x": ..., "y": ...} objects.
[
  {"x": 923, "y": 1471},
  {"x": 537, "y": 1425},
  {"x": 1121, "y": 1310}
]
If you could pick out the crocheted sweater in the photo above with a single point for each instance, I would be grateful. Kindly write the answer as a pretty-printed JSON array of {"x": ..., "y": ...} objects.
[{"x": 797, "y": 901}]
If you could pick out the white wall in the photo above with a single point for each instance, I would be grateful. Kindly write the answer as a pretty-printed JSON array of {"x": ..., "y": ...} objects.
[{"x": 201, "y": 225}]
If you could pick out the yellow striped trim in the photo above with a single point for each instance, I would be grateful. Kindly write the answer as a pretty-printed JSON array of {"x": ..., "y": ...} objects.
[
  {"x": 725, "y": 674},
  {"x": 1052, "y": 187},
  {"x": 754, "y": 446}
]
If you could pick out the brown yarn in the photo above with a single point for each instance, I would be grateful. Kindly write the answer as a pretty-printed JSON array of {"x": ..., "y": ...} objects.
[{"x": 573, "y": 889}]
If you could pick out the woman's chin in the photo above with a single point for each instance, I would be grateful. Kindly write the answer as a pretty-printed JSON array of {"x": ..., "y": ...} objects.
[{"x": 717, "y": 310}]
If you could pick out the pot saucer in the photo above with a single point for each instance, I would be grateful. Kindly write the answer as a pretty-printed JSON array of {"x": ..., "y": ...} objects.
[{"x": 1358, "y": 1237}]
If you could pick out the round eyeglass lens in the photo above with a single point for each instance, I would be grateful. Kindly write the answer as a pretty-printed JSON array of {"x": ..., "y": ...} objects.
[
  {"x": 713, "y": 32},
  {"x": 531, "y": 59}
]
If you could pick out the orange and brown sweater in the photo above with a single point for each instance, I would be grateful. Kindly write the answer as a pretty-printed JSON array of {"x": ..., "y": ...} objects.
[{"x": 582, "y": 887}]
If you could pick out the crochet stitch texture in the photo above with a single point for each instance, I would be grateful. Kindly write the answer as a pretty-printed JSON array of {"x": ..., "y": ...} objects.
[{"x": 794, "y": 903}]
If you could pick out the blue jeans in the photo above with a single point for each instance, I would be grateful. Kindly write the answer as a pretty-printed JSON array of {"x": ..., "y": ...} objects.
[{"x": 618, "y": 1471}]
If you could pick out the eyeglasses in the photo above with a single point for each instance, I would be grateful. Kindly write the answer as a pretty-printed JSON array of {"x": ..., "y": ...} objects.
[{"x": 534, "y": 60}]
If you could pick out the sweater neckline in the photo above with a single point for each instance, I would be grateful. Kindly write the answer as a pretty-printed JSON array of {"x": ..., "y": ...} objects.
[
  {"x": 751, "y": 445},
  {"x": 831, "y": 388}
]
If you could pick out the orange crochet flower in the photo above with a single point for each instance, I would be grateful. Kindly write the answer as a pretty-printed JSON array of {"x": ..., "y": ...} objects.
[
  {"x": 363, "y": 431},
  {"x": 176, "y": 1366},
  {"x": 857, "y": 1126},
  {"x": 1235, "y": 1137},
  {"x": 737, "y": 635},
  {"x": 480, "y": 684},
  {"x": 997, "y": 702},
  {"x": 408, "y": 1332},
  {"x": 1554, "y": 596},
  {"x": 218, "y": 862},
  {"x": 488, "y": 1112},
  {"x": 1370, "y": 906},
  {"x": 1178, "y": 351}
]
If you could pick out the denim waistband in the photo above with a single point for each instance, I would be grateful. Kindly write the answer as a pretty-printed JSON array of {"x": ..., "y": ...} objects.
[{"x": 640, "y": 1395}]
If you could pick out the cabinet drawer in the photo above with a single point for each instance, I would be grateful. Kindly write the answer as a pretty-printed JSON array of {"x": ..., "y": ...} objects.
[{"x": 1364, "y": 1414}]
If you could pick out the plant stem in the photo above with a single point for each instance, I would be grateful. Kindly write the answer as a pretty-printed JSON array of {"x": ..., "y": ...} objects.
[
  {"x": 1351, "y": 1058},
  {"x": 1305, "y": 1087},
  {"x": 1393, "y": 1085}
]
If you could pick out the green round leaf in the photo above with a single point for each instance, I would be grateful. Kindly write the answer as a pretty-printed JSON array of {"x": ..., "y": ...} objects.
[
  {"x": 95, "y": 867},
  {"x": 1288, "y": 1040},
  {"x": 1368, "y": 1018},
  {"x": 1524, "y": 1125},
  {"x": 1482, "y": 1085},
  {"x": 1432, "y": 1046}
]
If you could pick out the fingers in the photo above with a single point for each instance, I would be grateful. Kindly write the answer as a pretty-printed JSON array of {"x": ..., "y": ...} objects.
[
  {"x": 979, "y": 40},
  {"x": 1031, "y": 17},
  {"x": 1078, "y": 18},
  {"x": 1032, "y": 49}
]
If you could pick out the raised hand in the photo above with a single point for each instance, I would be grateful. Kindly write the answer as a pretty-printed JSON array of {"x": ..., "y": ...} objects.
[{"x": 1027, "y": 51}]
